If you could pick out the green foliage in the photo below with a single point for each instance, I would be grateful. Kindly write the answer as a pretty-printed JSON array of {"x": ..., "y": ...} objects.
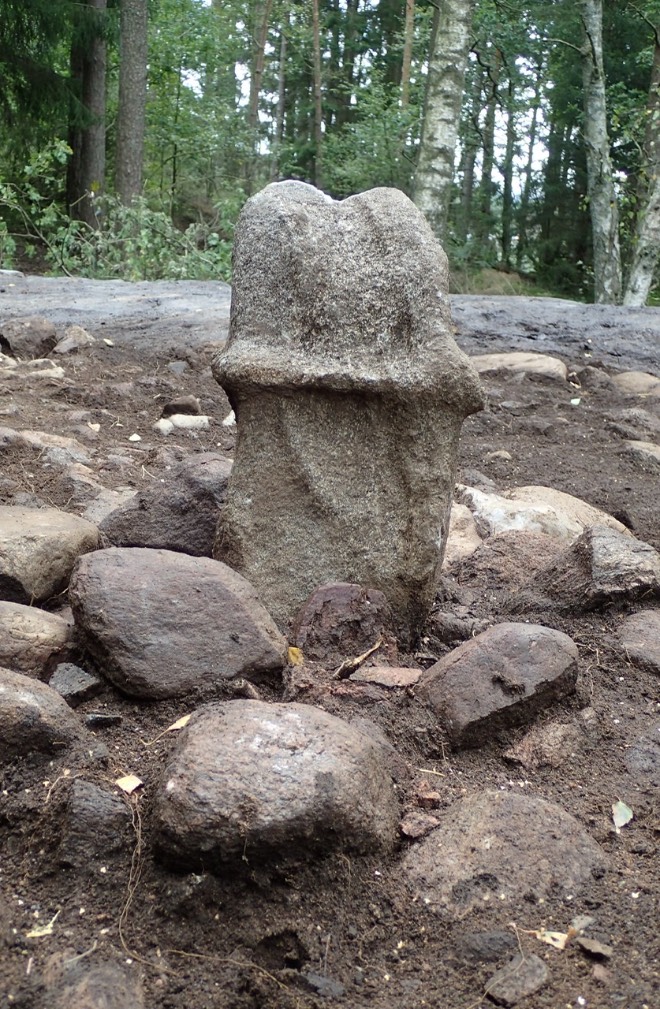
[{"x": 135, "y": 242}]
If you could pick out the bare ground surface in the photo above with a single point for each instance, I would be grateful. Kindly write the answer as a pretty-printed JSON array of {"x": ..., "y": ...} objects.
[{"x": 245, "y": 940}]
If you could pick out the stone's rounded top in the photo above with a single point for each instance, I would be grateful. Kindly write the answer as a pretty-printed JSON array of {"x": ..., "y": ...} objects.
[{"x": 341, "y": 296}]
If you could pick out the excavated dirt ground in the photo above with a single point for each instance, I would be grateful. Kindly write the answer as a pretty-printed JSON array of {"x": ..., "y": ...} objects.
[{"x": 245, "y": 940}]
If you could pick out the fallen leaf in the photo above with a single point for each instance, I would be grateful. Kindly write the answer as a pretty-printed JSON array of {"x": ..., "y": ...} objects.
[
  {"x": 621, "y": 814},
  {"x": 40, "y": 930},
  {"x": 558, "y": 940},
  {"x": 179, "y": 724},
  {"x": 129, "y": 783},
  {"x": 108, "y": 343},
  {"x": 295, "y": 656}
]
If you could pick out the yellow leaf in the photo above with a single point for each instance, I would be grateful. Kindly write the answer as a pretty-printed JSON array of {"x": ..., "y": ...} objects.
[
  {"x": 129, "y": 783},
  {"x": 40, "y": 930},
  {"x": 295, "y": 656},
  {"x": 179, "y": 724}
]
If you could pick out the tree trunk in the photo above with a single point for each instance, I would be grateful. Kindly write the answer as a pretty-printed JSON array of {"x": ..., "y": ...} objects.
[
  {"x": 523, "y": 214},
  {"x": 86, "y": 171},
  {"x": 258, "y": 62},
  {"x": 507, "y": 174},
  {"x": 318, "y": 106},
  {"x": 646, "y": 241},
  {"x": 281, "y": 98},
  {"x": 484, "y": 224},
  {"x": 132, "y": 98},
  {"x": 435, "y": 170},
  {"x": 602, "y": 196},
  {"x": 408, "y": 33}
]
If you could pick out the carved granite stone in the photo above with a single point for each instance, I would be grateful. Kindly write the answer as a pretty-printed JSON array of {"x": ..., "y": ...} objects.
[{"x": 349, "y": 393}]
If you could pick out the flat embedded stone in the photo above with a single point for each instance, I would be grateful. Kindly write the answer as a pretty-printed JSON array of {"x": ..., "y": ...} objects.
[
  {"x": 164, "y": 624},
  {"x": 74, "y": 684},
  {"x": 639, "y": 637},
  {"x": 549, "y": 745},
  {"x": 496, "y": 848},
  {"x": 637, "y": 383},
  {"x": 251, "y": 779},
  {"x": 645, "y": 451},
  {"x": 181, "y": 513},
  {"x": 517, "y": 361},
  {"x": 501, "y": 678},
  {"x": 72, "y": 982},
  {"x": 534, "y": 509},
  {"x": 463, "y": 537},
  {"x": 642, "y": 758},
  {"x": 522, "y": 976},
  {"x": 387, "y": 676},
  {"x": 33, "y": 718},
  {"x": 38, "y": 548},
  {"x": 32, "y": 641}
]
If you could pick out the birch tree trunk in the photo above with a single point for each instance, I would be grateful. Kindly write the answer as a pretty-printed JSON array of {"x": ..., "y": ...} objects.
[
  {"x": 435, "y": 169},
  {"x": 646, "y": 243},
  {"x": 600, "y": 182},
  {"x": 132, "y": 98},
  {"x": 318, "y": 106},
  {"x": 408, "y": 32}
]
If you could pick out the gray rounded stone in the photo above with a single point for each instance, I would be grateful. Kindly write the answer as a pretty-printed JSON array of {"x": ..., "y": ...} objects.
[
  {"x": 33, "y": 718},
  {"x": 496, "y": 848},
  {"x": 251, "y": 779}
]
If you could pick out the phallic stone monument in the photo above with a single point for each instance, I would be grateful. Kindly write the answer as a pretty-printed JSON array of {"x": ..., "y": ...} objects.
[{"x": 349, "y": 393}]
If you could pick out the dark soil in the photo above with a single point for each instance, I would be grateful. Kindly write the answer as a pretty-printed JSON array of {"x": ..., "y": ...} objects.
[{"x": 249, "y": 938}]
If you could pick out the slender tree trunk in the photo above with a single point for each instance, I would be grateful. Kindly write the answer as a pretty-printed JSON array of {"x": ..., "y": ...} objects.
[
  {"x": 523, "y": 214},
  {"x": 86, "y": 174},
  {"x": 507, "y": 174},
  {"x": 281, "y": 98},
  {"x": 318, "y": 105},
  {"x": 646, "y": 241},
  {"x": 435, "y": 170},
  {"x": 132, "y": 98},
  {"x": 344, "y": 106},
  {"x": 602, "y": 195},
  {"x": 258, "y": 62},
  {"x": 408, "y": 33},
  {"x": 488, "y": 154}
]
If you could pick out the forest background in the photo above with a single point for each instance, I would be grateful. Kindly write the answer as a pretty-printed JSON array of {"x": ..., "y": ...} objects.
[{"x": 529, "y": 133}]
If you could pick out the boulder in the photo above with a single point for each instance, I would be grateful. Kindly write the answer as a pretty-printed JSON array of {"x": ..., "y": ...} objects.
[
  {"x": 646, "y": 452},
  {"x": 74, "y": 684},
  {"x": 501, "y": 678},
  {"x": 28, "y": 338},
  {"x": 33, "y": 718},
  {"x": 349, "y": 393},
  {"x": 32, "y": 641},
  {"x": 181, "y": 513},
  {"x": 249, "y": 780},
  {"x": 163, "y": 624},
  {"x": 602, "y": 566},
  {"x": 639, "y": 637},
  {"x": 97, "y": 823},
  {"x": 38, "y": 549},
  {"x": 496, "y": 848}
]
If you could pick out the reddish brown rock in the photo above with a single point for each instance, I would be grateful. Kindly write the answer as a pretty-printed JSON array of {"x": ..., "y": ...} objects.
[
  {"x": 342, "y": 620},
  {"x": 163, "y": 624},
  {"x": 249, "y": 779},
  {"x": 501, "y": 678}
]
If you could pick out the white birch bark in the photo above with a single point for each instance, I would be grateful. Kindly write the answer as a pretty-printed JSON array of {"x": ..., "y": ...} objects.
[
  {"x": 646, "y": 242},
  {"x": 600, "y": 181},
  {"x": 444, "y": 94}
]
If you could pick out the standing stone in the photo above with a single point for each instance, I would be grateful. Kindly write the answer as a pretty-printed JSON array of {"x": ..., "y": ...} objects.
[{"x": 349, "y": 393}]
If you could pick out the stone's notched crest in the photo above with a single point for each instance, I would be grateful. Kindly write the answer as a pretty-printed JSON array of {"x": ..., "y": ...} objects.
[{"x": 349, "y": 392}]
